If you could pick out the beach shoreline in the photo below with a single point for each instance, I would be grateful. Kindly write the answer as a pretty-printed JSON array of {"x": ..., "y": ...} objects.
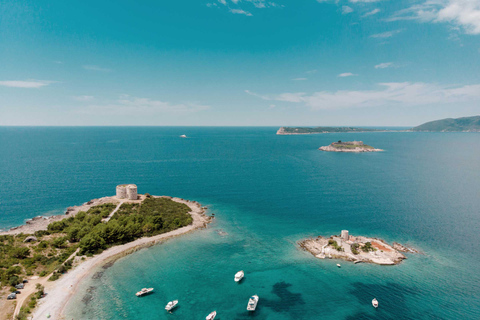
[{"x": 60, "y": 292}]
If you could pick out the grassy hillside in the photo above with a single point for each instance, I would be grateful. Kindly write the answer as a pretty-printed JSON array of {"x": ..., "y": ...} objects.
[{"x": 471, "y": 124}]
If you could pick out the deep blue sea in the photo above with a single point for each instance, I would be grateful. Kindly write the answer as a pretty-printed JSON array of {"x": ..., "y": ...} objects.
[{"x": 267, "y": 192}]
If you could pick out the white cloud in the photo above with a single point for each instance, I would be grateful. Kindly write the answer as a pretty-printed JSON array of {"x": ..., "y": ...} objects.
[
  {"x": 315, "y": 70},
  {"x": 389, "y": 94},
  {"x": 240, "y": 11},
  {"x": 387, "y": 34},
  {"x": 84, "y": 98},
  {"x": 25, "y": 84},
  {"x": 223, "y": 2},
  {"x": 460, "y": 13},
  {"x": 346, "y": 10},
  {"x": 95, "y": 68},
  {"x": 371, "y": 13},
  {"x": 363, "y": 1},
  {"x": 384, "y": 65},
  {"x": 347, "y": 74},
  {"x": 299, "y": 79}
]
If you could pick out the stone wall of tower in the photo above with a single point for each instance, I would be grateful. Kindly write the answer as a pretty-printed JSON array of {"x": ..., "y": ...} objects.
[
  {"x": 122, "y": 191},
  {"x": 344, "y": 235},
  {"x": 132, "y": 192}
]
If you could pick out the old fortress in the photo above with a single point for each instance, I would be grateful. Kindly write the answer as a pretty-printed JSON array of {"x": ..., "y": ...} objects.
[{"x": 127, "y": 191}]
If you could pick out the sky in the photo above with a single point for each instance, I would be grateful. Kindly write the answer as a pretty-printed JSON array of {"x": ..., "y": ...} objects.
[{"x": 238, "y": 62}]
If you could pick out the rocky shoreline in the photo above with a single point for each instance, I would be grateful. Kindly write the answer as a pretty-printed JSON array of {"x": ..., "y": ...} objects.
[
  {"x": 356, "y": 249},
  {"x": 357, "y": 149}
]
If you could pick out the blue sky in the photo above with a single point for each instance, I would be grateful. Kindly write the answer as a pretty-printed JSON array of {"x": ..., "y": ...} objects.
[{"x": 238, "y": 62}]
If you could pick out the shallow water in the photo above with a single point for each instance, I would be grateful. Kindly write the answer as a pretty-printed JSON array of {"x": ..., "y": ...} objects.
[{"x": 267, "y": 192}]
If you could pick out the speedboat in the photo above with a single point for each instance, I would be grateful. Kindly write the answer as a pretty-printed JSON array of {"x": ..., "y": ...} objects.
[
  {"x": 338, "y": 265},
  {"x": 239, "y": 276},
  {"x": 144, "y": 291},
  {"x": 183, "y": 136},
  {"x": 171, "y": 305},
  {"x": 212, "y": 315},
  {"x": 252, "y": 303},
  {"x": 375, "y": 303}
]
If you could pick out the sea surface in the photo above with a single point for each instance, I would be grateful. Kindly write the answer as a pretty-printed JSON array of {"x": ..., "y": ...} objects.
[{"x": 267, "y": 192}]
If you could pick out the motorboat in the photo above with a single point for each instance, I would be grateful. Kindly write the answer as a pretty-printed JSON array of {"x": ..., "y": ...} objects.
[
  {"x": 338, "y": 265},
  {"x": 144, "y": 291},
  {"x": 375, "y": 303},
  {"x": 239, "y": 276},
  {"x": 171, "y": 305},
  {"x": 252, "y": 303},
  {"x": 212, "y": 315},
  {"x": 183, "y": 136}
]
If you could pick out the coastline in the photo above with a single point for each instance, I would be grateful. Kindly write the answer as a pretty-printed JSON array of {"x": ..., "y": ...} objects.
[
  {"x": 61, "y": 290},
  {"x": 356, "y": 150}
]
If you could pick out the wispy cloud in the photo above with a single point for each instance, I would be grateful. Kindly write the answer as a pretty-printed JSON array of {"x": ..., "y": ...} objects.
[
  {"x": 347, "y": 74},
  {"x": 299, "y": 79},
  {"x": 464, "y": 14},
  {"x": 387, "y": 34},
  {"x": 364, "y": 1},
  {"x": 84, "y": 98},
  {"x": 240, "y": 11},
  {"x": 315, "y": 71},
  {"x": 346, "y": 10},
  {"x": 96, "y": 68},
  {"x": 388, "y": 94},
  {"x": 25, "y": 84},
  {"x": 127, "y": 105},
  {"x": 384, "y": 65},
  {"x": 371, "y": 13}
]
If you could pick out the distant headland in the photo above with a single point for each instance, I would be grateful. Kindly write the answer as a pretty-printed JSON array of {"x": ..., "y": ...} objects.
[
  {"x": 305, "y": 130},
  {"x": 349, "y": 146},
  {"x": 356, "y": 249},
  {"x": 466, "y": 124}
]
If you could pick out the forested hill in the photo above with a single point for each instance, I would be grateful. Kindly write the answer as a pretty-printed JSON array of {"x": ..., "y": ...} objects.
[
  {"x": 306, "y": 130},
  {"x": 466, "y": 124}
]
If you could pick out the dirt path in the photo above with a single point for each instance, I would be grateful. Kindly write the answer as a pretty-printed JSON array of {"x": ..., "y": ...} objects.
[{"x": 113, "y": 212}]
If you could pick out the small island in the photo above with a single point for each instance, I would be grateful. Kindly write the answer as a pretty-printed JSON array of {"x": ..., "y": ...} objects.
[
  {"x": 349, "y": 146},
  {"x": 316, "y": 130},
  {"x": 356, "y": 249}
]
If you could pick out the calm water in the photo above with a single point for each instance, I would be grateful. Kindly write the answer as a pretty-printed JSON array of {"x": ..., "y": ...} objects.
[{"x": 267, "y": 192}]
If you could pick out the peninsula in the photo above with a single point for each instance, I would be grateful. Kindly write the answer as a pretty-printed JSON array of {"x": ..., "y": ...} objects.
[
  {"x": 349, "y": 146},
  {"x": 356, "y": 249},
  {"x": 306, "y": 130},
  {"x": 52, "y": 255},
  {"x": 466, "y": 124}
]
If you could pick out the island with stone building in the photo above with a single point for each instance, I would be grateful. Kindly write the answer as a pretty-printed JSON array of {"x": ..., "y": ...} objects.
[
  {"x": 349, "y": 146},
  {"x": 356, "y": 249}
]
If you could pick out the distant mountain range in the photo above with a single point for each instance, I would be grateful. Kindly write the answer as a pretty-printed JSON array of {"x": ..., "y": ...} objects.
[{"x": 466, "y": 124}]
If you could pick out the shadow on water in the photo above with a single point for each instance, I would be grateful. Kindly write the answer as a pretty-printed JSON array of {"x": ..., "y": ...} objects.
[
  {"x": 392, "y": 301},
  {"x": 287, "y": 300}
]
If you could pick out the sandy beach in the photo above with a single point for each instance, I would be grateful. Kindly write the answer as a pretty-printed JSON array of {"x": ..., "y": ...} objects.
[{"x": 59, "y": 292}]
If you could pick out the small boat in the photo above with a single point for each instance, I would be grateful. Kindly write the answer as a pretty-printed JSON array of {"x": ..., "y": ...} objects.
[
  {"x": 171, "y": 305},
  {"x": 212, "y": 315},
  {"x": 183, "y": 136},
  {"x": 375, "y": 303},
  {"x": 239, "y": 276},
  {"x": 338, "y": 265},
  {"x": 144, "y": 291},
  {"x": 252, "y": 303}
]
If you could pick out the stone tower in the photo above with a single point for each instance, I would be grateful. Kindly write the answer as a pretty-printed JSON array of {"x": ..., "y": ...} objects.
[
  {"x": 344, "y": 235},
  {"x": 122, "y": 191},
  {"x": 132, "y": 192}
]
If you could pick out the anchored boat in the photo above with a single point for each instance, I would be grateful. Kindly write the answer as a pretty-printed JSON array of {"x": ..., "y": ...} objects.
[
  {"x": 212, "y": 315},
  {"x": 144, "y": 291},
  {"x": 252, "y": 303},
  {"x": 171, "y": 305},
  {"x": 239, "y": 276},
  {"x": 338, "y": 265},
  {"x": 375, "y": 303}
]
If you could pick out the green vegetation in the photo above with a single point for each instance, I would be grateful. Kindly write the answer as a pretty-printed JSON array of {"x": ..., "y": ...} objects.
[
  {"x": 354, "y": 247},
  {"x": 368, "y": 247},
  {"x": 305, "y": 130},
  {"x": 335, "y": 245},
  {"x": 341, "y": 145},
  {"x": 30, "y": 304},
  {"x": 451, "y": 125}
]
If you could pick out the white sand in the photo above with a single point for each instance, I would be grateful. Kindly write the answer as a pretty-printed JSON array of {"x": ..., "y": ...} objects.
[{"x": 60, "y": 291}]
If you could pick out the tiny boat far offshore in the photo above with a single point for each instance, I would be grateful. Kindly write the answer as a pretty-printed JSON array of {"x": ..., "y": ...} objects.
[
  {"x": 239, "y": 276},
  {"x": 171, "y": 305},
  {"x": 375, "y": 303},
  {"x": 338, "y": 265},
  {"x": 212, "y": 315},
  {"x": 252, "y": 303},
  {"x": 144, "y": 291},
  {"x": 183, "y": 136}
]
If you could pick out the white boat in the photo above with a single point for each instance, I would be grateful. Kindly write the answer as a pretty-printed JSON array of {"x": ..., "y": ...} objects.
[
  {"x": 183, "y": 136},
  {"x": 239, "y": 276},
  {"x": 338, "y": 265},
  {"x": 252, "y": 303},
  {"x": 212, "y": 315},
  {"x": 171, "y": 305},
  {"x": 144, "y": 291},
  {"x": 375, "y": 303}
]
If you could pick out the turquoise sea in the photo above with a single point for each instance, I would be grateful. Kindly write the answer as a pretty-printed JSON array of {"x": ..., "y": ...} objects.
[{"x": 267, "y": 192}]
